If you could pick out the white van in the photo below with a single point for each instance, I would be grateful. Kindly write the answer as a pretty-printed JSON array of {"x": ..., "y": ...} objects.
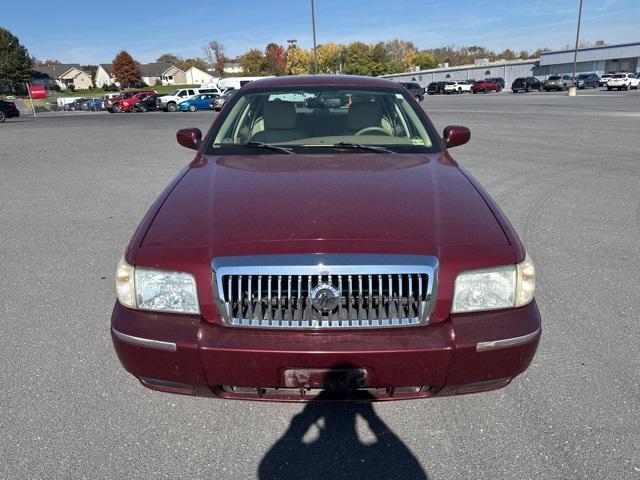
[
  {"x": 169, "y": 103},
  {"x": 235, "y": 83}
]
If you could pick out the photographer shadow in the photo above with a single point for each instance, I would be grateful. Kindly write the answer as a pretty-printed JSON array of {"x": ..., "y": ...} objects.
[{"x": 335, "y": 450}]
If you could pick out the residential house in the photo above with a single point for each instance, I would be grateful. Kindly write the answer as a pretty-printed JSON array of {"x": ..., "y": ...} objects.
[
  {"x": 62, "y": 75},
  {"x": 150, "y": 73},
  {"x": 195, "y": 76},
  {"x": 105, "y": 76},
  {"x": 233, "y": 67},
  {"x": 166, "y": 73}
]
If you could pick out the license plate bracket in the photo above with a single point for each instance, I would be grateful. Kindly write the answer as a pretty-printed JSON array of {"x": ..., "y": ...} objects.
[{"x": 326, "y": 378}]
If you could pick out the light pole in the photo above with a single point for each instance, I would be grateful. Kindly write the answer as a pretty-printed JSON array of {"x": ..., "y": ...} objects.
[
  {"x": 292, "y": 42},
  {"x": 313, "y": 23},
  {"x": 574, "y": 88}
]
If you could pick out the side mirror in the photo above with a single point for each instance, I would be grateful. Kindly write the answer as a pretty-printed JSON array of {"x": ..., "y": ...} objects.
[
  {"x": 455, "y": 135},
  {"x": 189, "y": 137}
]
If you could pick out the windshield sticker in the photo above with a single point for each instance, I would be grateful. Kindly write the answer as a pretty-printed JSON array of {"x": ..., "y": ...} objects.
[{"x": 417, "y": 141}]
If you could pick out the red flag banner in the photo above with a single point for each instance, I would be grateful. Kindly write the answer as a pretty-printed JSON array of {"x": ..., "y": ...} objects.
[{"x": 37, "y": 91}]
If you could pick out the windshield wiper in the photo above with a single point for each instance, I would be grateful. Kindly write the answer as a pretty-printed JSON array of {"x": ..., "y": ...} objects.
[
  {"x": 360, "y": 146},
  {"x": 268, "y": 146}
]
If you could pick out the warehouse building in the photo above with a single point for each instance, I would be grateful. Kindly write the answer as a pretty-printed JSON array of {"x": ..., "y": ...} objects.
[
  {"x": 480, "y": 70},
  {"x": 605, "y": 59},
  {"x": 600, "y": 60}
]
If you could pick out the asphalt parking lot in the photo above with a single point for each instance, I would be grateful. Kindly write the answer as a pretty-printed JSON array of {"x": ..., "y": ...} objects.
[{"x": 566, "y": 171}]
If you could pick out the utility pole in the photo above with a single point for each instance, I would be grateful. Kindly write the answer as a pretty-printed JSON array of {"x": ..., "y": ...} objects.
[
  {"x": 313, "y": 22},
  {"x": 574, "y": 86}
]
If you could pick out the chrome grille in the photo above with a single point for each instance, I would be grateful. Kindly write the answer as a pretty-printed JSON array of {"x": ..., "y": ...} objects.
[{"x": 325, "y": 291}]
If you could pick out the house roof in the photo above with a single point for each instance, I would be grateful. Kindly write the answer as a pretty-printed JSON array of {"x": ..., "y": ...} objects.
[
  {"x": 54, "y": 71},
  {"x": 155, "y": 69},
  {"x": 107, "y": 67}
]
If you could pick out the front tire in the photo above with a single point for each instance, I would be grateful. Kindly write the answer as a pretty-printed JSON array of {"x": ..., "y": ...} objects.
[
  {"x": 192, "y": 108},
  {"x": 117, "y": 108},
  {"x": 171, "y": 107},
  {"x": 3, "y": 117}
]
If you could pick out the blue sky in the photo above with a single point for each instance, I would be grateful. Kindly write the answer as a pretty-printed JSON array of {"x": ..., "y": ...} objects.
[{"x": 94, "y": 31}]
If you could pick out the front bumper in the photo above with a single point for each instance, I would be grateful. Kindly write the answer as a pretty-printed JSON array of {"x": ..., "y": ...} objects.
[{"x": 464, "y": 354}]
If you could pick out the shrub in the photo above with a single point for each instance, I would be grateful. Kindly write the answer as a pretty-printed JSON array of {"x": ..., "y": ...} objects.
[
  {"x": 71, "y": 87},
  {"x": 158, "y": 83}
]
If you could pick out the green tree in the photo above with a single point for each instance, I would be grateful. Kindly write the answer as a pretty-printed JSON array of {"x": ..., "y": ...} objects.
[
  {"x": 275, "y": 59},
  {"x": 169, "y": 58},
  {"x": 126, "y": 69},
  {"x": 253, "y": 62},
  {"x": 299, "y": 60},
  {"x": 358, "y": 59},
  {"x": 15, "y": 62},
  {"x": 380, "y": 60}
]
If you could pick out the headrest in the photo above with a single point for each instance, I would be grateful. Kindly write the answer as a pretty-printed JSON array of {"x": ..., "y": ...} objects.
[
  {"x": 279, "y": 116},
  {"x": 364, "y": 114}
]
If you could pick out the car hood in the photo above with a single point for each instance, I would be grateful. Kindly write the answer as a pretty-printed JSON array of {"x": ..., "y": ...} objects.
[{"x": 267, "y": 203}]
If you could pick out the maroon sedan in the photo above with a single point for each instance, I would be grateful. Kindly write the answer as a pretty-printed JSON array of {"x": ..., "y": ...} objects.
[
  {"x": 323, "y": 244},
  {"x": 485, "y": 86}
]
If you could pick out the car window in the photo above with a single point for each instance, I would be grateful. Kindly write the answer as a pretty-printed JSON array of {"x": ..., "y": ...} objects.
[
  {"x": 318, "y": 118},
  {"x": 191, "y": 92}
]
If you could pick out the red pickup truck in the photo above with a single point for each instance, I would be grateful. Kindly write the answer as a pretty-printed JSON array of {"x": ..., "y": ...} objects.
[
  {"x": 485, "y": 86},
  {"x": 323, "y": 243},
  {"x": 123, "y": 102}
]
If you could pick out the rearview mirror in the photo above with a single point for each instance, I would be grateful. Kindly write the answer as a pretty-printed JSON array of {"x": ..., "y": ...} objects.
[
  {"x": 455, "y": 135},
  {"x": 189, "y": 137}
]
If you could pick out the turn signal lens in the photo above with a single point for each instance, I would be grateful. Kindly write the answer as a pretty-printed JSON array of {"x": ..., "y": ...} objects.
[{"x": 125, "y": 287}]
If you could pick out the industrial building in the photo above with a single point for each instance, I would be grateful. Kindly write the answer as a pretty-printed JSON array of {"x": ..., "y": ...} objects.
[{"x": 600, "y": 60}]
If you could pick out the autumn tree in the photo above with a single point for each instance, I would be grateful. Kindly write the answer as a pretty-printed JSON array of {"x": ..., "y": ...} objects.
[
  {"x": 126, "y": 69},
  {"x": 15, "y": 62},
  {"x": 422, "y": 60},
  {"x": 215, "y": 57},
  {"x": 397, "y": 50},
  {"x": 299, "y": 60},
  {"x": 187, "y": 63},
  {"x": 275, "y": 59},
  {"x": 330, "y": 57}
]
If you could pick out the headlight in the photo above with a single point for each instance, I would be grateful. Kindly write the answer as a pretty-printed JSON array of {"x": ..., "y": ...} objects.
[
  {"x": 495, "y": 288},
  {"x": 158, "y": 290}
]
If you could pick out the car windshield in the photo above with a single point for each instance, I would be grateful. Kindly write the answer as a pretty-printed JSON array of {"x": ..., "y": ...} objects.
[
  {"x": 620, "y": 75},
  {"x": 320, "y": 118},
  {"x": 554, "y": 77}
]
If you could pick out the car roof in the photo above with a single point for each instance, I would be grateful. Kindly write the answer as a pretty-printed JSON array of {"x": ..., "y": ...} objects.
[{"x": 320, "y": 80}]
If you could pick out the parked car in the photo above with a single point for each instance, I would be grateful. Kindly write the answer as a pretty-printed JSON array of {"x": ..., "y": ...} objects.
[
  {"x": 498, "y": 80},
  {"x": 436, "y": 88},
  {"x": 198, "y": 102},
  {"x": 75, "y": 105},
  {"x": 148, "y": 103},
  {"x": 526, "y": 84},
  {"x": 217, "y": 103},
  {"x": 555, "y": 82},
  {"x": 461, "y": 86},
  {"x": 8, "y": 110},
  {"x": 623, "y": 81},
  {"x": 587, "y": 80},
  {"x": 485, "y": 86},
  {"x": 95, "y": 104},
  {"x": 169, "y": 103},
  {"x": 246, "y": 280},
  {"x": 604, "y": 79},
  {"x": 124, "y": 102},
  {"x": 414, "y": 89}
]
